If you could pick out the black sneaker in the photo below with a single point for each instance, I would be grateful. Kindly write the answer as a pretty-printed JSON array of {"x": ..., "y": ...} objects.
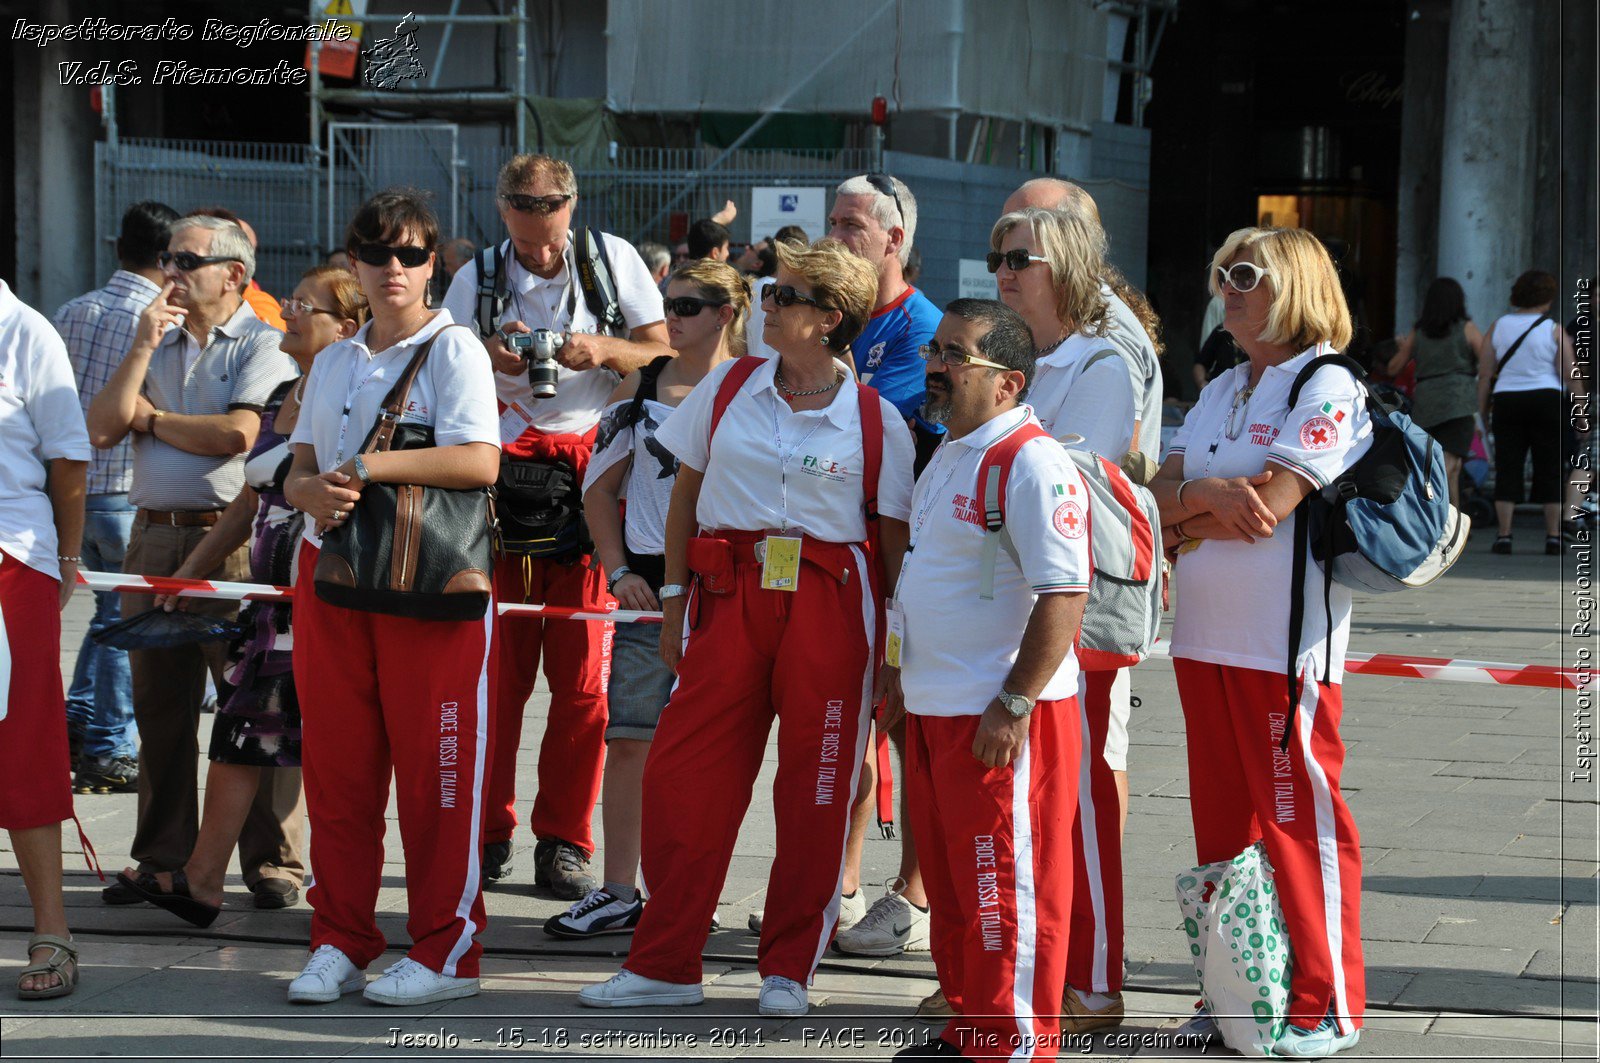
[
  {"x": 563, "y": 868},
  {"x": 597, "y": 914},
  {"x": 496, "y": 861},
  {"x": 106, "y": 775}
]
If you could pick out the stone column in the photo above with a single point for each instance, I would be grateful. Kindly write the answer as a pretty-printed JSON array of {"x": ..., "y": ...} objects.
[
  {"x": 1421, "y": 138},
  {"x": 1487, "y": 167}
]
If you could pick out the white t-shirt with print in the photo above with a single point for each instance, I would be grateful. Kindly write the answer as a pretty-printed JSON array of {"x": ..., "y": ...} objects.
[
  {"x": 959, "y": 647},
  {"x": 649, "y": 480},
  {"x": 1232, "y": 597},
  {"x": 773, "y": 467},
  {"x": 557, "y": 303}
]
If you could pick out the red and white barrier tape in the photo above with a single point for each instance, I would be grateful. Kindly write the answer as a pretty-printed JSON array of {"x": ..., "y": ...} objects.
[{"x": 1389, "y": 664}]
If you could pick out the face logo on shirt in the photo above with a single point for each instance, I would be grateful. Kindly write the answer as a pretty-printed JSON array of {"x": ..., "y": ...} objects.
[
  {"x": 1069, "y": 520},
  {"x": 875, "y": 354},
  {"x": 416, "y": 410},
  {"x": 1319, "y": 433},
  {"x": 826, "y": 468}
]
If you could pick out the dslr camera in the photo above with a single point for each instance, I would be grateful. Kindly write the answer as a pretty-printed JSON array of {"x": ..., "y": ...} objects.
[{"x": 539, "y": 347}]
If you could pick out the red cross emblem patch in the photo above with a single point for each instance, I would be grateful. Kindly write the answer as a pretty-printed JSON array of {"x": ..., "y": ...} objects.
[
  {"x": 1069, "y": 520},
  {"x": 1319, "y": 433}
]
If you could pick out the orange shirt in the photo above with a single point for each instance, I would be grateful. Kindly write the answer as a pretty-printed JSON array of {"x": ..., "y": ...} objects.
[{"x": 265, "y": 306}]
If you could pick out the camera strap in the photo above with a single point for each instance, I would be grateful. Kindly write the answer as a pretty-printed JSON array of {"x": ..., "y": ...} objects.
[
  {"x": 493, "y": 288},
  {"x": 599, "y": 285}
]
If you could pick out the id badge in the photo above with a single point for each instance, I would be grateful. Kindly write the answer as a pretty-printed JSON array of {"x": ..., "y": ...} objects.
[
  {"x": 780, "y": 569},
  {"x": 896, "y": 617},
  {"x": 513, "y": 422}
]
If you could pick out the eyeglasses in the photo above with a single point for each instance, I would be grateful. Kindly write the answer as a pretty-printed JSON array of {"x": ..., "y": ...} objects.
[
  {"x": 1241, "y": 276},
  {"x": 688, "y": 306},
  {"x": 380, "y": 254},
  {"x": 786, "y": 295},
  {"x": 535, "y": 204},
  {"x": 188, "y": 261},
  {"x": 1017, "y": 259},
  {"x": 296, "y": 307},
  {"x": 954, "y": 356},
  {"x": 885, "y": 185}
]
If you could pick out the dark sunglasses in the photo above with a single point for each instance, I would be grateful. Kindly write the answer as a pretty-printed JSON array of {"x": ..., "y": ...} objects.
[
  {"x": 1018, "y": 259},
  {"x": 688, "y": 306},
  {"x": 535, "y": 204},
  {"x": 785, "y": 295},
  {"x": 953, "y": 356},
  {"x": 188, "y": 261},
  {"x": 882, "y": 183},
  {"x": 380, "y": 254}
]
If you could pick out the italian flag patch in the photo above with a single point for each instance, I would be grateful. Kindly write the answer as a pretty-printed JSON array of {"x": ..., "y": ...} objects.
[
  {"x": 1338, "y": 415},
  {"x": 1061, "y": 489}
]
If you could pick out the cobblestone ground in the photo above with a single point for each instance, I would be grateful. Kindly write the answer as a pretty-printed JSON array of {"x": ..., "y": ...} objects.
[{"x": 1479, "y": 908}]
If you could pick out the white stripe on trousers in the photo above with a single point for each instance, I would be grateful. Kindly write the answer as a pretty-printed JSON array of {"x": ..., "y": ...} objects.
[
  {"x": 469, "y": 888},
  {"x": 1089, "y": 830},
  {"x": 1327, "y": 847},
  {"x": 1027, "y": 915},
  {"x": 869, "y": 622}
]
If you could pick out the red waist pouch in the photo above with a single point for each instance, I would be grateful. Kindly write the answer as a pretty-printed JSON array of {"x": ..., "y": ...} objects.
[{"x": 712, "y": 560}]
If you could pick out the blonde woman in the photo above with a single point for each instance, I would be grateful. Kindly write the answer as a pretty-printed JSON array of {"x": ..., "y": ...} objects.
[
  {"x": 706, "y": 305},
  {"x": 782, "y": 620},
  {"x": 1237, "y": 469}
]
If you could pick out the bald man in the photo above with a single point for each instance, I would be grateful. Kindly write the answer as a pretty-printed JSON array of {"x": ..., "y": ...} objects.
[{"x": 1093, "y": 998}]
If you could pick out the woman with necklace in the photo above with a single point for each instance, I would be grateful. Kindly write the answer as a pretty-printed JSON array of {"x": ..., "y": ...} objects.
[
  {"x": 381, "y": 692},
  {"x": 706, "y": 304},
  {"x": 782, "y": 620},
  {"x": 257, "y": 724},
  {"x": 1263, "y": 768}
]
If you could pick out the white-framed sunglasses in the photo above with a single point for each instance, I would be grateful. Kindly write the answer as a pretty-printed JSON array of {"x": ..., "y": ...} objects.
[{"x": 1241, "y": 276}]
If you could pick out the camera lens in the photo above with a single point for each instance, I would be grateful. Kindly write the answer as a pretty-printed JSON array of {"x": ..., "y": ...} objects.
[{"x": 542, "y": 377}]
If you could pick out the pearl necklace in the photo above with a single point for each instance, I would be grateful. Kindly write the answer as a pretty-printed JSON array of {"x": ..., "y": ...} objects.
[{"x": 777, "y": 378}]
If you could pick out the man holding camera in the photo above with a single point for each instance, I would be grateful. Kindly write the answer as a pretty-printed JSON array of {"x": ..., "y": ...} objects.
[{"x": 564, "y": 316}]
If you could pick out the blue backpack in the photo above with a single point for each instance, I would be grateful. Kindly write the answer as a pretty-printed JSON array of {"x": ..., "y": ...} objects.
[{"x": 1386, "y": 524}]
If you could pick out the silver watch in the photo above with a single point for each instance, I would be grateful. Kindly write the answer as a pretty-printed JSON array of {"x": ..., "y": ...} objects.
[
  {"x": 1018, "y": 706},
  {"x": 618, "y": 573},
  {"x": 672, "y": 590},
  {"x": 361, "y": 470}
]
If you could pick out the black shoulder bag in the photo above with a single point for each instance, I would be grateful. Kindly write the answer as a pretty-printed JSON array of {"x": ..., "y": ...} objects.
[{"x": 407, "y": 549}]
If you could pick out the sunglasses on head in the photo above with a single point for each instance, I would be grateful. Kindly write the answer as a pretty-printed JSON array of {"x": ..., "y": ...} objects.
[
  {"x": 885, "y": 186},
  {"x": 1241, "y": 276},
  {"x": 688, "y": 306},
  {"x": 188, "y": 261},
  {"x": 786, "y": 295},
  {"x": 380, "y": 254},
  {"x": 1017, "y": 259},
  {"x": 953, "y": 356},
  {"x": 296, "y": 307},
  {"x": 535, "y": 204}
]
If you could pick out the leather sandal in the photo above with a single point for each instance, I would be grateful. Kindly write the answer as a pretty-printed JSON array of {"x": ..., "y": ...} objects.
[
  {"x": 63, "y": 963},
  {"x": 176, "y": 900}
]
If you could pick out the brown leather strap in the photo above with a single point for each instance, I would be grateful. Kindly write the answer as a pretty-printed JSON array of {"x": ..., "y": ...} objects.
[
  {"x": 180, "y": 518},
  {"x": 395, "y": 403}
]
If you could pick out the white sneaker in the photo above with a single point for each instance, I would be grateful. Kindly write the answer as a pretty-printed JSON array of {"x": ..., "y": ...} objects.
[
  {"x": 408, "y": 982},
  {"x": 782, "y": 996},
  {"x": 891, "y": 926},
  {"x": 852, "y": 906},
  {"x": 628, "y": 990},
  {"x": 327, "y": 976}
]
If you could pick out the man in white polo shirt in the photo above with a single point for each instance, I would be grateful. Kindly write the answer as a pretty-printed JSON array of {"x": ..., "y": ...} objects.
[{"x": 989, "y": 679}]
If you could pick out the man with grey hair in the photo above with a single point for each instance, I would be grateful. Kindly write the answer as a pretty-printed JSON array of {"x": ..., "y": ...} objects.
[
  {"x": 190, "y": 392},
  {"x": 658, "y": 260}
]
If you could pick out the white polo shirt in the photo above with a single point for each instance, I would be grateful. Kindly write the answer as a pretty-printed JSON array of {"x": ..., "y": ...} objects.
[
  {"x": 1097, "y": 403},
  {"x": 773, "y": 467},
  {"x": 40, "y": 421},
  {"x": 959, "y": 648},
  {"x": 1232, "y": 597},
  {"x": 454, "y": 393},
  {"x": 557, "y": 303}
]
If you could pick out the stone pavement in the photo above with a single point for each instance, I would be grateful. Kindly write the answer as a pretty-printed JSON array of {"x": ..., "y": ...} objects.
[{"x": 1479, "y": 911}]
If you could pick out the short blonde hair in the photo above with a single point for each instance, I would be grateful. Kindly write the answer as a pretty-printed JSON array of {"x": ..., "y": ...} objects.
[
  {"x": 1075, "y": 253},
  {"x": 1308, "y": 305},
  {"x": 520, "y": 171},
  {"x": 720, "y": 281},
  {"x": 838, "y": 280}
]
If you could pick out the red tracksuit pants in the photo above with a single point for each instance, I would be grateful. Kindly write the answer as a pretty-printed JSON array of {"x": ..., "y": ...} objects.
[
  {"x": 577, "y": 667},
  {"x": 1290, "y": 801},
  {"x": 35, "y": 769},
  {"x": 804, "y": 656},
  {"x": 996, "y": 857},
  {"x": 381, "y": 693},
  {"x": 1094, "y": 953}
]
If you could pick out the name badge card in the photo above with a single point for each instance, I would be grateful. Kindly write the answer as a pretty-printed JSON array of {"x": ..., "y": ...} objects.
[
  {"x": 896, "y": 616},
  {"x": 513, "y": 422},
  {"x": 780, "y": 570}
]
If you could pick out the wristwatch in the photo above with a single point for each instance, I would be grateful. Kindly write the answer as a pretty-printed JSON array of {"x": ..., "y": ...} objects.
[
  {"x": 361, "y": 470},
  {"x": 612, "y": 577},
  {"x": 672, "y": 590},
  {"x": 1018, "y": 706},
  {"x": 155, "y": 415}
]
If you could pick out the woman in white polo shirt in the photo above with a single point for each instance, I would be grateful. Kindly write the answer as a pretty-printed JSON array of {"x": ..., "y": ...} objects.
[
  {"x": 1237, "y": 469},
  {"x": 378, "y": 690},
  {"x": 44, "y": 458},
  {"x": 782, "y": 620}
]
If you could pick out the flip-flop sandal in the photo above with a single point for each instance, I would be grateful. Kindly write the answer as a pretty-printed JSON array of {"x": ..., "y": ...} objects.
[
  {"x": 63, "y": 963},
  {"x": 176, "y": 900}
]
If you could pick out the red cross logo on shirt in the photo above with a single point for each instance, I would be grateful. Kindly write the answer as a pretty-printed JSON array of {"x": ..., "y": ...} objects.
[
  {"x": 1069, "y": 521},
  {"x": 1318, "y": 433}
]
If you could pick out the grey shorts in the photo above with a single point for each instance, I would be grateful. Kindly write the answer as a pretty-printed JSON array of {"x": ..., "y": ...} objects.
[{"x": 640, "y": 682}]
